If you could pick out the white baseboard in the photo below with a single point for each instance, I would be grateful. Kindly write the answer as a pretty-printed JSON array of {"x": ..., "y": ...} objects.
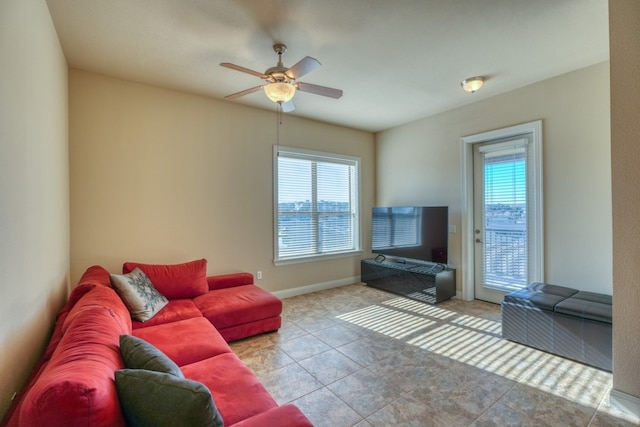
[
  {"x": 316, "y": 287},
  {"x": 624, "y": 402},
  {"x": 326, "y": 285}
]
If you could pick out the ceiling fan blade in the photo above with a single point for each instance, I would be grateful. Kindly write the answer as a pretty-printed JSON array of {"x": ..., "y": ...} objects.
[
  {"x": 288, "y": 106},
  {"x": 243, "y": 69},
  {"x": 302, "y": 67},
  {"x": 319, "y": 90},
  {"x": 243, "y": 93}
]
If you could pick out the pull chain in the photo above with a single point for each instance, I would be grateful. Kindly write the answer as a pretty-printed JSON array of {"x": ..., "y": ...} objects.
[{"x": 278, "y": 122}]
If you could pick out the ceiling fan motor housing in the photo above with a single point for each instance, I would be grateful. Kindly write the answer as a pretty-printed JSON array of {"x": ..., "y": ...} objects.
[{"x": 278, "y": 74}]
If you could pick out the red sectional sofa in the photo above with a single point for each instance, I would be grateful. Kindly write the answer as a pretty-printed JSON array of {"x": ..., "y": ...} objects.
[{"x": 74, "y": 382}]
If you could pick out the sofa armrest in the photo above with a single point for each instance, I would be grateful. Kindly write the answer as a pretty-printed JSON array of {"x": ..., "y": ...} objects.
[
  {"x": 287, "y": 415},
  {"x": 229, "y": 280}
]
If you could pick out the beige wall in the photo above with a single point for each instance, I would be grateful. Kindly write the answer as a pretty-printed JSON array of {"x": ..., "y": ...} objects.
[
  {"x": 624, "y": 28},
  {"x": 34, "y": 190},
  {"x": 162, "y": 176},
  {"x": 130, "y": 151},
  {"x": 420, "y": 163}
]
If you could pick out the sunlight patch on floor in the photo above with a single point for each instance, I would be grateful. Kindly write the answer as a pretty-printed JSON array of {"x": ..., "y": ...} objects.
[
  {"x": 393, "y": 323},
  {"x": 480, "y": 350},
  {"x": 565, "y": 378},
  {"x": 420, "y": 308},
  {"x": 481, "y": 324},
  {"x": 477, "y": 342}
]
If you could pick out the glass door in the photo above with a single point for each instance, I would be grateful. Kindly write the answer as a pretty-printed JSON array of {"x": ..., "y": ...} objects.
[{"x": 501, "y": 217}]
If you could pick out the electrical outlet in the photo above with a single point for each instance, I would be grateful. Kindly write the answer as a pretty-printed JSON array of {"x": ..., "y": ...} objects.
[
  {"x": 259, "y": 275},
  {"x": 452, "y": 228}
]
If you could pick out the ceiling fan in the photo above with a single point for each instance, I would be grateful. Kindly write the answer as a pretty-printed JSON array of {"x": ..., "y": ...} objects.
[{"x": 282, "y": 82}]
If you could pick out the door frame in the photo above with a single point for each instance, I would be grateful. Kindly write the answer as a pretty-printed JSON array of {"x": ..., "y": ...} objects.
[{"x": 466, "y": 150}]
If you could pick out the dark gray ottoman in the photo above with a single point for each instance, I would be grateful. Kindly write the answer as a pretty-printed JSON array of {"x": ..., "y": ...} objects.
[
  {"x": 586, "y": 319},
  {"x": 560, "y": 320}
]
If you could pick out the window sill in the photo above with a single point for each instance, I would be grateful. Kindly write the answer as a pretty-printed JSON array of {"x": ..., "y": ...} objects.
[{"x": 313, "y": 258}]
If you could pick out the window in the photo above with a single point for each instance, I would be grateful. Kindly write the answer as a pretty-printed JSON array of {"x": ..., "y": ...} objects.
[{"x": 316, "y": 204}]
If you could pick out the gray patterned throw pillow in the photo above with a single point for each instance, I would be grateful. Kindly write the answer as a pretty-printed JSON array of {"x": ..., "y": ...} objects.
[{"x": 138, "y": 294}]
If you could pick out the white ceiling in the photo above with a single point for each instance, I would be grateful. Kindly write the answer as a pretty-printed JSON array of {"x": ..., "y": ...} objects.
[{"x": 396, "y": 61}]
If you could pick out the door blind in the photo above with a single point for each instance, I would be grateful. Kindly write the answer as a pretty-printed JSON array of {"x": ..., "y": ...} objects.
[{"x": 505, "y": 246}]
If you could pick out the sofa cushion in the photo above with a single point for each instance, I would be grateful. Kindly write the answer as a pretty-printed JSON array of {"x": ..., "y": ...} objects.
[
  {"x": 238, "y": 305},
  {"x": 229, "y": 280},
  {"x": 176, "y": 309},
  {"x": 273, "y": 417},
  {"x": 186, "y": 280},
  {"x": 139, "y": 354},
  {"x": 95, "y": 275},
  {"x": 185, "y": 341},
  {"x": 99, "y": 297},
  {"x": 159, "y": 399},
  {"x": 238, "y": 396},
  {"x": 138, "y": 293},
  {"x": 76, "y": 387},
  {"x": 92, "y": 277},
  {"x": 238, "y": 332},
  {"x": 76, "y": 295}
]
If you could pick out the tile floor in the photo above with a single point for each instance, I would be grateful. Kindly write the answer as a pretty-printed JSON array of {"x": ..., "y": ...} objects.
[{"x": 358, "y": 356}]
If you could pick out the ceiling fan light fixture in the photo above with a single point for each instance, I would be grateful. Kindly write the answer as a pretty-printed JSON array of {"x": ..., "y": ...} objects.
[
  {"x": 280, "y": 91},
  {"x": 282, "y": 83},
  {"x": 472, "y": 84}
]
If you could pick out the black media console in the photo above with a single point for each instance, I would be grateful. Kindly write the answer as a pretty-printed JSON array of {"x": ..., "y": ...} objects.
[{"x": 428, "y": 283}]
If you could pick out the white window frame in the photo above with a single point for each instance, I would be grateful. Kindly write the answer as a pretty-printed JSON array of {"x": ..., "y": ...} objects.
[{"x": 356, "y": 205}]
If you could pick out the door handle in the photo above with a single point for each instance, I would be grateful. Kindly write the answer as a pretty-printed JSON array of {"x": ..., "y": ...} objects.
[{"x": 478, "y": 241}]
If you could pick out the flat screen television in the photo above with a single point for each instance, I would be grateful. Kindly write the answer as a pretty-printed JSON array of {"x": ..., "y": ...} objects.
[{"x": 411, "y": 232}]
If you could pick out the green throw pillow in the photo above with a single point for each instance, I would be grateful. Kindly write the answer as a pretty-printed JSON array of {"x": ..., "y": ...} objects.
[
  {"x": 140, "y": 354},
  {"x": 157, "y": 399}
]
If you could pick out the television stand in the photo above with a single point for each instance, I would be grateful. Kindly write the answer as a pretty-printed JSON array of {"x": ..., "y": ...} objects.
[{"x": 426, "y": 283}]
